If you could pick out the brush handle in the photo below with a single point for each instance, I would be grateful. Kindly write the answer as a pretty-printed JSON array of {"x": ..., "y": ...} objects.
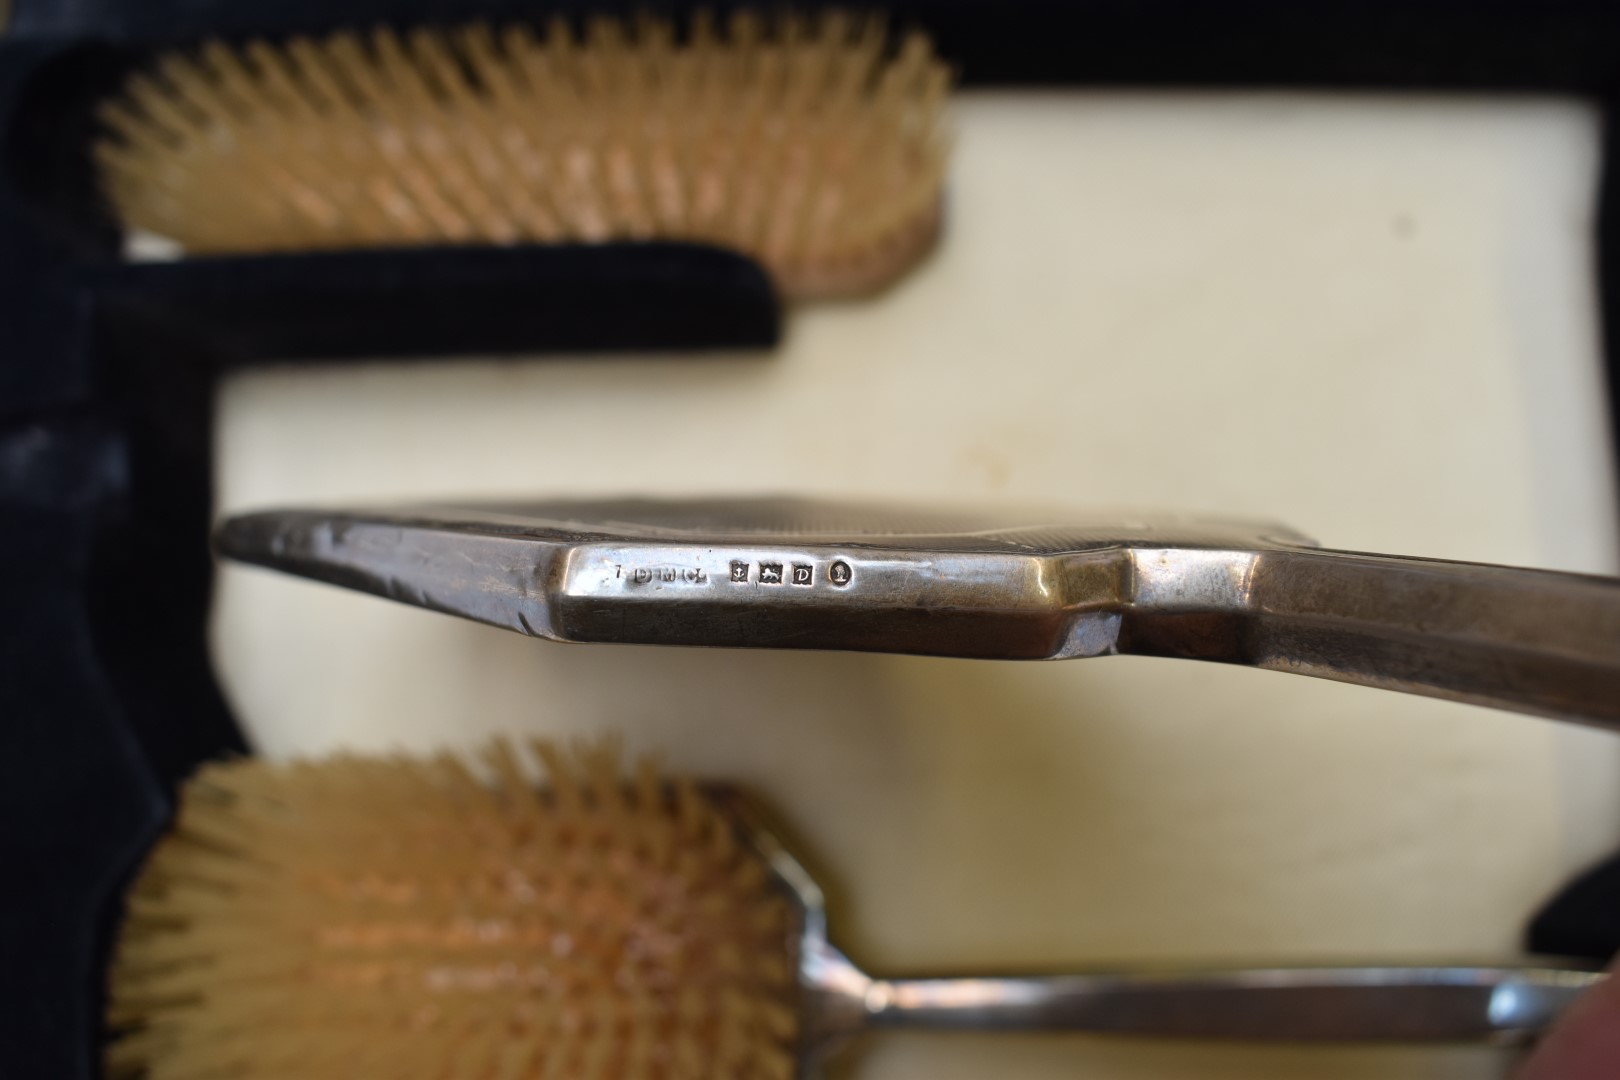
[
  {"x": 1533, "y": 641},
  {"x": 1401, "y": 1004}
]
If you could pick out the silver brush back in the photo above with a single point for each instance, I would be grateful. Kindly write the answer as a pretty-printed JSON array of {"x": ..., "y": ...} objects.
[{"x": 1008, "y": 585}]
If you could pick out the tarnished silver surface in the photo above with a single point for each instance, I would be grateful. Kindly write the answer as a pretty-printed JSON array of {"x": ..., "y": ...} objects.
[
  {"x": 1505, "y": 1004},
  {"x": 806, "y": 574}
]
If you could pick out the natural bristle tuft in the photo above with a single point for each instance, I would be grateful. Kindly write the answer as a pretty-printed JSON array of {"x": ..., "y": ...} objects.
[
  {"x": 407, "y": 919},
  {"x": 813, "y": 144}
]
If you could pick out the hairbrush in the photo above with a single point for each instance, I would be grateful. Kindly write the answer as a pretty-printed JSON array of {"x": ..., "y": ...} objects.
[
  {"x": 415, "y": 919},
  {"x": 815, "y": 145},
  {"x": 1033, "y": 584}
]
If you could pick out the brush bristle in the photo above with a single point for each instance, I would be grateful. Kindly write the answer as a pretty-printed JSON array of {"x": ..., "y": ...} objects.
[
  {"x": 408, "y": 919},
  {"x": 812, "y": 145}
]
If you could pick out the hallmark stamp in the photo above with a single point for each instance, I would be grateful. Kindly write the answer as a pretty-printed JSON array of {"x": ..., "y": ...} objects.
[
  {"x": 646, "y": 575},
  {"x": 801, "y": 574}
]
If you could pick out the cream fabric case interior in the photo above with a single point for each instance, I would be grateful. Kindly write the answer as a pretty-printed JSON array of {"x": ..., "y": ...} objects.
[{"x": 1369, "y": 317}]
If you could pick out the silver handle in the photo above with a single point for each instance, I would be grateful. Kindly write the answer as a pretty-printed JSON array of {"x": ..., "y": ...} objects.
[
  {"x": 1533, "y": 641},
  {"x": 1421, "y": 1004},
  {"x": 1529, "y": 640}
]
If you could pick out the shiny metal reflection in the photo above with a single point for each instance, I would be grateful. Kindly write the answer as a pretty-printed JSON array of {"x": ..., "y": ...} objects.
[
  {"x": 1505, "y": 1004},
  {"x": 810, "y": 574}
]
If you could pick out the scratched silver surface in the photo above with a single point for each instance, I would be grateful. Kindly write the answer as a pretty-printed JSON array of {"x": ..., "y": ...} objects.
[
  {"x": 1017, "y": 584},
  {"x": 787, "y": 521}
]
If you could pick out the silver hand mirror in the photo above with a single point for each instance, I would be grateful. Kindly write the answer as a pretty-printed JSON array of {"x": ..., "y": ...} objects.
[{"x": 1021, "y": 585}]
